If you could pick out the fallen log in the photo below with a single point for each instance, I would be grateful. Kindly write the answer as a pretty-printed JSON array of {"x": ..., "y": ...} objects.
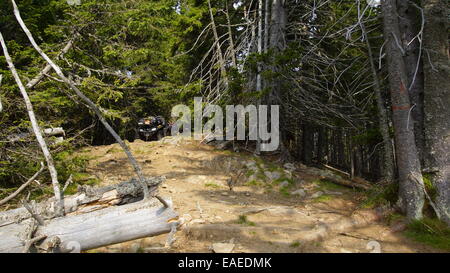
[
  {"x": 332, "y": 177},
  {"x": 347, "y": 183},
  {"x": 86, "y": 200},
  {"x": 91, "y": 230}
]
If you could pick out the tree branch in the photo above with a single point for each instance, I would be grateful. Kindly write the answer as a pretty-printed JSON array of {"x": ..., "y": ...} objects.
[
  {"x": 21, "y": 188},
  {"x": 37, "y": 131}
]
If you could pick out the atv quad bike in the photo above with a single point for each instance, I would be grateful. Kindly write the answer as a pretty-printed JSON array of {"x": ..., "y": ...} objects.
[{"x": 152, "y": 128}]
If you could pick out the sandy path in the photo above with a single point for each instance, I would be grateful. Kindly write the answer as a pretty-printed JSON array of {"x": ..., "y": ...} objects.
[{"x": 275, "y": 222}]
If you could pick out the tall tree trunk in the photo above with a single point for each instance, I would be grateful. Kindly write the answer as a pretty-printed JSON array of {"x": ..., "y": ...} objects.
[
  {"x": 383, "y": 119},
  {"x": 437, "y": 101},
  {"x": 276, "y": 32},
  {"x": 230, "y": 37},
  {"x": 410, "y": 27},
  {"x": 321, "y": 145},
  {"x": 37, "y": 131},
  {"x": 411, "y": 195},
  {"x": 223, "y": 71},
  {"x": 266, "y": 24},
  {"x": 258, "y": 75},
  {"x": 308, "y": 143},
  {"x": 340, "y": 148}
]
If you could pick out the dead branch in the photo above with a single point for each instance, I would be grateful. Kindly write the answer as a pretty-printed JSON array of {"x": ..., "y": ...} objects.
[
  {"x": 68, "y": 182},
  {"x": 21, "y": 188},
  {"x": 48, "y": 67},
  {"x": 36, "y": 130},
  {"x": 36, "y": 216}
]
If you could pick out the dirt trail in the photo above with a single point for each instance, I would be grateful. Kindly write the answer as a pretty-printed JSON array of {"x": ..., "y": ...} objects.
[{"x": 275, "y": 220}]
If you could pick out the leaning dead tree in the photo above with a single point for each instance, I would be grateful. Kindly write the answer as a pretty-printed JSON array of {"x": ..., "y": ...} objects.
[
  {"x": 87, "y": 101},
  {"x": 229, "y": 50},
  {"x": 36, "y": 130}
]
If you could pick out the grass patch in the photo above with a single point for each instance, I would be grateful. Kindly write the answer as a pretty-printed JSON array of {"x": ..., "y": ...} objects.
[
  {"x": 261, "y": 176},
  {"x": 323, "y": 198},
  {"x": 273, "y": 167},
  {"x": 394, "y": 217},
  {"x": 243, "y": 220},
  {"x": 295, "y": 244},
  {"x": 431, "y": 190},
  {"x": 140, "y": 151},
  {"x": 379, "y": 196},
  {"x": 212, "y": 185},
  {"x": 282, "y": 179},
  {"x": 431, "y": 232},
  {"x": 284, "y": 191},
  {"x": 254, "y": 183},
  {"x": 113, "y": 150},
  {"x": 227, "y": 152},
  {"x": 249, "y": 173}
]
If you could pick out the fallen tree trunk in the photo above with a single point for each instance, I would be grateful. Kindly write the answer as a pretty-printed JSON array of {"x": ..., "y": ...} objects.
[
  {"x": 355, "y": 182},
  {"x": 86, "y": 200},
  {"x": 74, "y": 233}
]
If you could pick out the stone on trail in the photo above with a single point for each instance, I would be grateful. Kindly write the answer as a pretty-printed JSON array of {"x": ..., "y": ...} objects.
[
  {"x": 272, "y": 175},
  {"x": 223, "y": 247},
  {"x": 186, "y": 218},
  {"x": 284, "y": 184},
  {"x": 299, "y": 192},
  {"x": 317, "y": 194},
  {"x": 334, "y": 192},
  {"x": 198, "y": 221},
  {"x": 289, "y": 166}
]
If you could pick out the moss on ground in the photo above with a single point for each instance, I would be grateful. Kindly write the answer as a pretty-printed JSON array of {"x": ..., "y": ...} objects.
[{"x": 431, "y": 232}]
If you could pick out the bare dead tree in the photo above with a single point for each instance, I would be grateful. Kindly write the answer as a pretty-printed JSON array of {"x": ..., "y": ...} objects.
[
  {"x": 388, "y": 162},
  {"x": 59, "y": 206},
  {"x": 87, "y": 102}
]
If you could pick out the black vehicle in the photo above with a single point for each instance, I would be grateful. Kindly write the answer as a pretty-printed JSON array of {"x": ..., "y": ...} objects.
[{"x": 152, "y": 128}]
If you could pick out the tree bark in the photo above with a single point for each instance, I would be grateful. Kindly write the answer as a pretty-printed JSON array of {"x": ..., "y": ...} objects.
[
  {"x": 259, "y": 87},
  {"x": 37, "y": 131},
  {"x": 411, "y": 195},
  {"x": 437, "y": 101},
  {"x": 86, "y": 200},
  {"x": 230, "y": 37},
  {"x": 410, "y": 27},
  {"x": 322, "y": 144},
  {"x": 223, "y": 71},
  {"x": 92, "y": 230},
  {"x": 308, "y": 143}
]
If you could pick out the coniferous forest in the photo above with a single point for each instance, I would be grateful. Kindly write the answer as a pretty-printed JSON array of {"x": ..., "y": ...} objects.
[{"x": 362, "y": 90}]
